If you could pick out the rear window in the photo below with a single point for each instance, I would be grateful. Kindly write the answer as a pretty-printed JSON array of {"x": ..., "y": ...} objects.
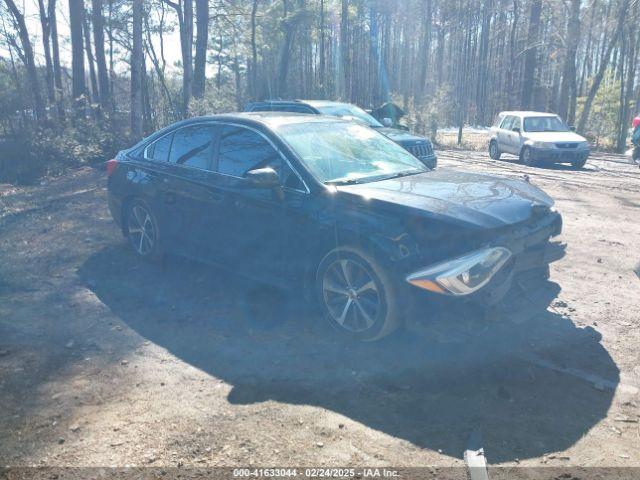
[
  {"x": 192, "y": 146},
  {"x": 159, "y": 150}
]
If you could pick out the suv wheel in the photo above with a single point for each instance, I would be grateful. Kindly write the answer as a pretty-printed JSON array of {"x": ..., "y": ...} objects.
[
  {"x": 358, "y": 297},
  {"x": 494, "y": 151},
  {"x": 578, "y": 164},
  {"x": 142, "y": 230}
]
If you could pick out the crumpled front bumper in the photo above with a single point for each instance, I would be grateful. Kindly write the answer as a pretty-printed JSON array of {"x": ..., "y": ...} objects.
[{"x": 531, "y": 251}]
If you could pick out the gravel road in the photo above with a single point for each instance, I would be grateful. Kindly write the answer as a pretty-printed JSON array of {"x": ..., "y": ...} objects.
[{"x": 108, "y": 361}]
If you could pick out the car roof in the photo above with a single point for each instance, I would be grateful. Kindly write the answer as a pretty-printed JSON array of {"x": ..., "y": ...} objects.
[
  {"x": 528, "y": 114},
  {"x": 271, "y": 119},
  {"x": 323, "y": 103},
  {"x": 313, "y": 103}
]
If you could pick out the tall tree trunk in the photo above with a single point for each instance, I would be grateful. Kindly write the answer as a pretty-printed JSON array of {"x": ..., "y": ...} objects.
[
  {"x": 290, "y": 26},
  {"x": 483, "y": 60},
  {"x": 322, "y": 71},
  {"x": 78, "y": 88},
  {"x": 46, "y": 46},
  {"x": 202, "y": 36},
  {"x": 136, "y": 72},
  {"x": 425, "y": 47},
  {"x": 345, "y": 62},
  {"x": 254, "y": 52},
  {"x": 185, "y": 23},
  {"x": 90, "y": 59},
  {"x": 586, "y": 111},
  {"x": 531, "y": 56},
  {"x": 55, "y": 53},
  {"x": 568, "y": 87},
  {"x": 511, "y": 78},
  {"x": 626, "y": 97},
  {"x": 101, "y": 63},
  {"x": 29, "y": 61},
  {"x": 186, "y": 37}
]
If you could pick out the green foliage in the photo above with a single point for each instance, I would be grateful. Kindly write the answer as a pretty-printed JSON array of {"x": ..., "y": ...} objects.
[
  {"x": 215, "y": 100},
  {"x": 604, "y": 114},
  {"x": 50, "y": 151},
  {"x": 434, "y": 113}
]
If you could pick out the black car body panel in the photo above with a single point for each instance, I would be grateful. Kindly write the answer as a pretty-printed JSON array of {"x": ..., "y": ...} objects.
[
  {"x": 420, "y": 147},
  {"x": 280, "y": 235}
]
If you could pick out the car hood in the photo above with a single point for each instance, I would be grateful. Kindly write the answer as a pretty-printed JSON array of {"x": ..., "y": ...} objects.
[
  {"x": 554, "y": 137},
  {"x": 462, "y": 198},
  {"x": 400, "y": 136}
]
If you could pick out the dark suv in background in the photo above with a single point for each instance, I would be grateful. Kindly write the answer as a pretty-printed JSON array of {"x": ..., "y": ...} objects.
[{"x": 419, "y": 147}]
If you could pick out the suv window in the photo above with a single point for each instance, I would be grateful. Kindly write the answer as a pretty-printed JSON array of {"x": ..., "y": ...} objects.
[
  {"x": 517, "y": 123},
  {"x": 242, "y": 150},
  {"x": 282, "y": 108},
  {"x": 159, "y": 150},
  {"x": 506, "y": 123},
  {"x": 294, "y": 109},
  {"x": 192, "y": 146}
]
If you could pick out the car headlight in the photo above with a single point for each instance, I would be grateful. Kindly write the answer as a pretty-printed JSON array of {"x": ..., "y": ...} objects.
[
  {"x": 583, "y": 145},
  {"x": 543, "y": 145},
  {"x": 462, "y": 275}
]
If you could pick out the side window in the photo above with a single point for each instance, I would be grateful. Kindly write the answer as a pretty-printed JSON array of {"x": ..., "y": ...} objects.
[
  {"x": 193, "y": 146},
  {"x": 159, "y": 150},
  {"x": 242, "y": 150},
  {"x": 517, "y": 123},
  {"x": 296, "y": 109},
  {"x": 506, "y": 123}
]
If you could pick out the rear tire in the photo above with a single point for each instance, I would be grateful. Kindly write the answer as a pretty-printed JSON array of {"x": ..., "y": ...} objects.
[
  {"x": 494, "y": 151},
  {"x": 141, "y": 230},
  {"x": 359, "y": 298}
]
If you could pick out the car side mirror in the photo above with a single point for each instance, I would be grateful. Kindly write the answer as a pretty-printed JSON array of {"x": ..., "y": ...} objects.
[
  {"x": 516, "y": 129},
  {"x": 387, "y": 122},
  {"x": 572, "y": 128},
  {"x": 263, "y": 178}
]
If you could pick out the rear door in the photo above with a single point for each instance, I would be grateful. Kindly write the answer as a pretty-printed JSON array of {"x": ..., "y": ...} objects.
[
  {"x": 503, "y": 133},
  {"x": 186, "y": 190}
]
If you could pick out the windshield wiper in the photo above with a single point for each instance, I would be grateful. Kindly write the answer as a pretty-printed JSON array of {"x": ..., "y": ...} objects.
[
  {"x": 397, "y": 175},
  {"x": 342, "y": 181}
]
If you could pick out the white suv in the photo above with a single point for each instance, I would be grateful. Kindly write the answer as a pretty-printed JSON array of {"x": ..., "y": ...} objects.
[{"x": 537, "y": 137}]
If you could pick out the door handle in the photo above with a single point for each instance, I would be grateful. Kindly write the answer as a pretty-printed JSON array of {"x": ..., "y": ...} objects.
[{"x": 169, "y": 198}]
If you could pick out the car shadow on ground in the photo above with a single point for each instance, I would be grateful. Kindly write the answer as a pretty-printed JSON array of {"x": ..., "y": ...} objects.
[
  {"x": 550, "y": 165},
  {"x": 432, "y": 391}
]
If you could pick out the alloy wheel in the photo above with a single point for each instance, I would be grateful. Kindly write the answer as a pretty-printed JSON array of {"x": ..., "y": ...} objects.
[
  {"x": 142, "y": 233},
  {"x": 351, "y": 295}
]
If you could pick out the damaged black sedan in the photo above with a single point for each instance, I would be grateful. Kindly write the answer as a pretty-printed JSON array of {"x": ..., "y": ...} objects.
[{"x": 332, "y": 210}]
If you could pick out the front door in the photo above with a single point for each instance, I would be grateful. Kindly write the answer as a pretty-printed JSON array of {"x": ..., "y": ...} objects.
[{"x": 262, "y": 226}]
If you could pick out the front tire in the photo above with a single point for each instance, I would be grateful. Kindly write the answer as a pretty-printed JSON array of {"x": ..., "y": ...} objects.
[
  {"x": 359, "y": 298},
  {"x": 494, "y": 151},
  {"x": 141, "y": 229},
  {"x": 578, "y": 164},
  {"x": 527, "y": 158}
]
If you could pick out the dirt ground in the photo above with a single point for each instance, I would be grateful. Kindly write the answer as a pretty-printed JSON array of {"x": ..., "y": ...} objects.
[{"x": 107, "y": 361}]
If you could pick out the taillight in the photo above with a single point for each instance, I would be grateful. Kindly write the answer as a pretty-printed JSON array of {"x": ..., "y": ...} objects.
[{"x": 111, "y": 166}]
